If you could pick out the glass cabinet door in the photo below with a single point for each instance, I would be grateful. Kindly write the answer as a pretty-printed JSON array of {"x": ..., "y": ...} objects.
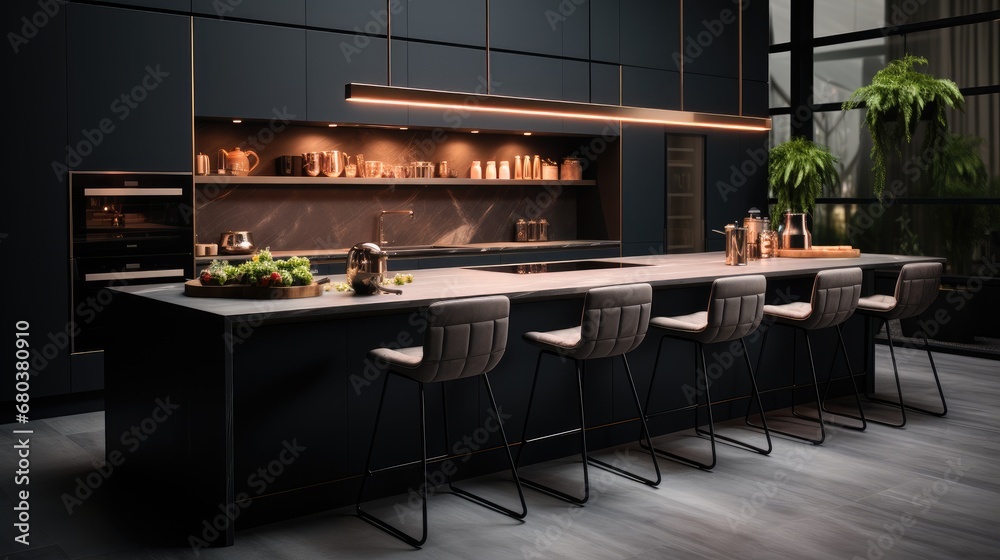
[{"x": 684, "y": 203}]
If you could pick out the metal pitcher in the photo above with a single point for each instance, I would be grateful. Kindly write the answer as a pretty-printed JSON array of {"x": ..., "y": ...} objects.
[
  {"x": 332, "y": 163},
  {"x": 366, "y": 268}
]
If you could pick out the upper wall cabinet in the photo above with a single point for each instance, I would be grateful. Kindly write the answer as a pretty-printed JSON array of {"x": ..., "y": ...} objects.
[
  {"x": 336, "y": 59},
  {"x": 129, "y": 88},
  {"x": 712, "y": 38},
  {"x": 176, "y": 5},
  {"x": 374, "y": 17},
  {"x": 286, "y": 11},
  {"x": 711, "y": 94},
  {"x": 644, "y": 87},
  {"x": 554, "y": 27},
  {"x": 446, "y": 68},
  {"x": 650, "y": 35},
  {"x": 755, "y": 41},
  {"x": 460, "y": 22},
  {"x": 604, "y": 31},
  {"x": 246, "y": 70}
]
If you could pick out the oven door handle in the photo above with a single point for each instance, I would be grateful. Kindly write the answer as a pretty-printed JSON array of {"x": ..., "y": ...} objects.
[
  {"x": 146, "y": 191},
  {"x": 134, "y": 275}
]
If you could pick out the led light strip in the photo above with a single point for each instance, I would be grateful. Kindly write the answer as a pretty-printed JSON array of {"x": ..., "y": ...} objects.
[{"x": 413, "y": 97}]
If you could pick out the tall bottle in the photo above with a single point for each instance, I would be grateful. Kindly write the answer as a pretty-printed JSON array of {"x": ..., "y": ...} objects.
[
  {"x": 536, "y": 168},
  {"x": 476, "y": 172},
  {"x": 518, "y": 172},
  {"x": 526, "y": 163},
  {"x": 491, "y": 170}
]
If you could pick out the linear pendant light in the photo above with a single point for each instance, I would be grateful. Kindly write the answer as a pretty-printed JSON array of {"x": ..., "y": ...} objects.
[{"x": 414, "y": 97}]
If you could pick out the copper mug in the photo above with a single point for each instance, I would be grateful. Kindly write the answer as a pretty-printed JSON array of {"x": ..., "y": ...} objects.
[{"x": 312, "y": 163}]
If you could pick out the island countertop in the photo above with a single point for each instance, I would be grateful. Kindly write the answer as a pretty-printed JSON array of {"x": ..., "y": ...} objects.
[{"x": 432, "y": 285}]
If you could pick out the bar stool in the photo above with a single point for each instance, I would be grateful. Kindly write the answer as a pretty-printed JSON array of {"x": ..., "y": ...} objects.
[
  {"x": 735, "y": 309},
  {"x": 464, "y": 338},
  {"x": 614, "y": 322},
  {"x": 916, "y": 288},
  {"x": 834, "y": 299}
]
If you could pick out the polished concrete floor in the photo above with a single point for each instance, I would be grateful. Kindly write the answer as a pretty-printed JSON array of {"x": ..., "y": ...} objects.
[{"x": 930, "y": 490}]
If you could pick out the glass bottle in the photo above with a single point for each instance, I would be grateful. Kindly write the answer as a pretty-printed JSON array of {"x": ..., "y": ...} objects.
[
  {"x": 491, "y": 170},
  {"x": 518, "y": 172},
  {"x": 504, "y": 171},
  {"x": 476, "y": 172},
  {"x": 543, "y": 230},
  {"x": 520, "y": 230},
  {"x": 526, "y": 163},
  {"x": 536, "y": 168},
  {"x": 532, "y": 230}
]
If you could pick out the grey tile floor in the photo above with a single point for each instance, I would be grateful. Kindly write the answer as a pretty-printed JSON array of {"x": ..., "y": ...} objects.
[{"x": 931, "y": 490}]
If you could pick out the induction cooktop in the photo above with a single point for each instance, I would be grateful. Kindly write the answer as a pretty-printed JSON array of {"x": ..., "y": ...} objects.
[{"x": 561, "y": 266}]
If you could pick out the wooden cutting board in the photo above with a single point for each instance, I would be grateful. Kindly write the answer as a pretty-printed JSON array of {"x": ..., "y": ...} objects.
[
  {"x": 194, "y": 288},
  {"x": 822, "y": 251}
]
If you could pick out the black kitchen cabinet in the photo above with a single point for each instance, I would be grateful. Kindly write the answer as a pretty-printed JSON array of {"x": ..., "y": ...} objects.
[
  {"x": 711, "y": 94},
  {"x": 183, "y": 6},
  {"x": 448, "y": 68},
  {"x": 531, "y": 26},
  {"x": 642, "y": 190},
  {"x": 520, "y": 75},
  {"x": 458, "y": 22},
  {"x": 335, "y": 59},
  {"x": 755, "y": 98},
  {"x": 735, "y": 179},
  {"x": 645, "y": 87},
  {"x": 650, "y": 33},
  {"x": 287, "y": 11},
  {"x": 129, "y": 86},
  {"x": 34, "y": 233},
  {"x": 605, "y": 84},
  {"x": 755, "y": 40},
  {"x": 604, "y": 31},
  {"x": 373, "y": 17},
  {"x": 249, "y": 71},
  {"x": 712, "y": 38}
]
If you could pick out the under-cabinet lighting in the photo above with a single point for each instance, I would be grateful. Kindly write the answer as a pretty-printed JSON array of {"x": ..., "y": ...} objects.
[
  {"x": 237, "y": 121},
  {"x": 473, "y": 132},
  {"x": 332, "y": 125},
  {"x": 413, "y": 97},
  {"x": 404, "y": 128},
  {"x": 527, "y": 134}
]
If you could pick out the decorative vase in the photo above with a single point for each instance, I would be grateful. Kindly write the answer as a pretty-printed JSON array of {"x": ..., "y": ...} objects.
[{"x": 794, "y": 232}]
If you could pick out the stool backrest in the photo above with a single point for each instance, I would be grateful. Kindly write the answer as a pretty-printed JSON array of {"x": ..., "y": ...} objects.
[
  {"x": 916, "y": 289},
  {"x": 735, "y": 307},
  {"x": 464, "y": 337},
  {"x": 615, "y": 319},
  {"x": 834, "y": 297}
]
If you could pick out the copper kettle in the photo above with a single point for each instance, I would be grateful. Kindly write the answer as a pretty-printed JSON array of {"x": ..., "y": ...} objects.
[
  {"x": 366, "y": 268},
  {"x": 237, "y": 162}
]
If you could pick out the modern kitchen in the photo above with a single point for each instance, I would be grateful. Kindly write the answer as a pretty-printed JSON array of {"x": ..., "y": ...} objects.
[{"x": 504, "y": 278}]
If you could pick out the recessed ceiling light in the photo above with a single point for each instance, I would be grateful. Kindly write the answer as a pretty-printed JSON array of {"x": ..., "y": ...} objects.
[
  {"x": 237, "y": 121},
  {"x": 473, "y": 132},
  {"x": 404, "y": 128},
  {"x": 527, "y": 134},
  {"x": 332, "y": 125}
]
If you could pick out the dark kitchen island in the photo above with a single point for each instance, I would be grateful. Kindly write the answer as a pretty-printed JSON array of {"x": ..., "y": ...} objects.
[{"x": 225, "y": 413}]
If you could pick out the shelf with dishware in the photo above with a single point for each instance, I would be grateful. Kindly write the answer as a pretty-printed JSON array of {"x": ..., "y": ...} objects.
[{"x": 361, "y": 181}]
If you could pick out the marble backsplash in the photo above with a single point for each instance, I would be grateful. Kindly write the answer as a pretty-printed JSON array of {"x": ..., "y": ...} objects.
[{"x": 290, "y": 218}]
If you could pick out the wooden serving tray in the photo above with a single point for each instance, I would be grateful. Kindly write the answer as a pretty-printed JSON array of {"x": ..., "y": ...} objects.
[
  {"x": 822, "y": 251},
  {"x": 194, "y": 288}
]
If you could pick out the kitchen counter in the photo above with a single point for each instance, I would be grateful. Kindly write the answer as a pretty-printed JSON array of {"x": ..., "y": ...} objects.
[{"x": 286, "y": 385}]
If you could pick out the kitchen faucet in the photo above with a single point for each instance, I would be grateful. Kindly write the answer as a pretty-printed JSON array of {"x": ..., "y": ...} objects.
[{"x": 381, "y": 223}]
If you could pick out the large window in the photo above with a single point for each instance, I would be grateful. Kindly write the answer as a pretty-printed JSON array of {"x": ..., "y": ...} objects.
[{"x": 853, "y": 39}]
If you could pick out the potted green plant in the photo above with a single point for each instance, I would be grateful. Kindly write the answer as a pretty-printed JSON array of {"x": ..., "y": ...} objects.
[
  {"x": 897, "y": 99},
  {"x": 798, "y": 171}
]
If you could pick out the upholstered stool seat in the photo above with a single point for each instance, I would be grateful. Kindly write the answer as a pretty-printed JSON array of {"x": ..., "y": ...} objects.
[
  {"x": 916, "y": 289},
  {"x": 615, "y": 320},
  {"x": 464, "y": 338},
  {"x": 735, "y": 309}
]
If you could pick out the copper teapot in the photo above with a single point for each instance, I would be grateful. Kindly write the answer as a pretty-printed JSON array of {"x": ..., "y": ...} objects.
[{"x": 237, "y": 161}]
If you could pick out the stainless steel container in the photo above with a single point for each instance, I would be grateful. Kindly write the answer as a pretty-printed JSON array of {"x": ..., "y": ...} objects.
[
  {"x": 736, "y": 245},
  {"x": 794, "y": 232},
  {"x": 202, "y": 164}
]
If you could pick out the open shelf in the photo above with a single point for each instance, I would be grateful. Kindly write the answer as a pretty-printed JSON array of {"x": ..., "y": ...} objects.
[{"x": 327, "y": 181}]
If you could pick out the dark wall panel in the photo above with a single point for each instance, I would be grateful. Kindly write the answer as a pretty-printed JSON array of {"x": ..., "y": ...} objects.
[
  {"x": 461, "y": 22},
  {"x": 712, "y": 38},
  {"x": 711, "y": 94},
  {"x": 644, "y": 87},
  {"x": 650, "y": 33},
  {"x": 287, "y": 11},
  {"x": 605, "y": 31}
]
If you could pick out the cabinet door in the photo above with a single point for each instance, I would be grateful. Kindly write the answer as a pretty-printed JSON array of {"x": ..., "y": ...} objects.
[
  {"x": 458, "y": 22},
  {"x": 604, "y": 31},
  {"x": 711, "y": 94},
  {"x": 447, "y": 68},
  {"x": 129, "y": 85},
  {"x": 650, "y": 33},
  {"x": 711, "y": 38},
  {"x": 336, "y": 59},
  {"x": 755, "y": 40},
  {"x": 519, "y": 75},
  {"x": 286, "y": 11},
  {"x": 533, "y": 26},
  {"x": 247, "y": 70},
  {"x": 373, "y": 17},
  {"x": 644, "y": 87},
  {"x": 642, "y": 190}
]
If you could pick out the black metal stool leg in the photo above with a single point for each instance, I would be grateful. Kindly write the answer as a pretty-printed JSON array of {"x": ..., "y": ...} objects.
[
  {"x": 754, "y": 396},
  {"x": 510, "y": 460},
  {"x": 937, "y": 381},
  {"x": 645, "y": 432},
  {"x": 860, "y": 417},
  {"x": 583, "y": 442},
  {"x": 379, "y": 523},
  {"x": 898, "y": 404},
  {"x": 711, "y": 425},
  {"x": 527, "y": 414},
  {"x": 819, "y": 407}
]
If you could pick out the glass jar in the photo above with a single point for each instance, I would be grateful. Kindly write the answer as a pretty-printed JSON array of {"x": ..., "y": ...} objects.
[
  {"x": 543, "y": 230},
  {"x": 520, "y": 230},
  {"x": 476, "y": 172},
  {"x": 491, "y": 170},
  {"x": 532, "y": 230},
  {"x": 504, "y": 171}
]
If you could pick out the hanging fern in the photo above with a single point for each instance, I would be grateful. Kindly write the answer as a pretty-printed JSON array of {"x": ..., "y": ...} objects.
[
  {"x": 895, "y": 100},
  {"x": 798, "y": 171}
]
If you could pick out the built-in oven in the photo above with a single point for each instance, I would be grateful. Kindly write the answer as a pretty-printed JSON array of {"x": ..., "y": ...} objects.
[{"x": 127, "y": 229}]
